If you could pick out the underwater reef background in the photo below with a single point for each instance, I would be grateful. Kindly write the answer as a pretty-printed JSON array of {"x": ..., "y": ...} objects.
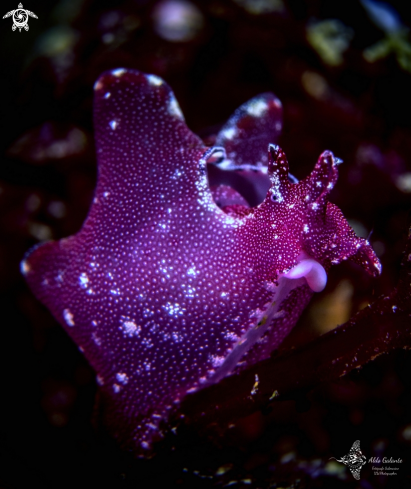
[{"x": 342, "y": 71}]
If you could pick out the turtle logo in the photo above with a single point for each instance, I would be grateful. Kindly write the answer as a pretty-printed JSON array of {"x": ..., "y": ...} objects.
[
  {"x": 20, "y": 18},
  {"x": 354, "y": 460}
]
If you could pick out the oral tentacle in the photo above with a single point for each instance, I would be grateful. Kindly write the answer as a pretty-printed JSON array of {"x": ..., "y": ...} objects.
[{"x": 313, "y": 272}]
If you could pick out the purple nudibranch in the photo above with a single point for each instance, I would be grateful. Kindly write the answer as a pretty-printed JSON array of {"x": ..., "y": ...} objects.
[{"x": 164, "y": 290}]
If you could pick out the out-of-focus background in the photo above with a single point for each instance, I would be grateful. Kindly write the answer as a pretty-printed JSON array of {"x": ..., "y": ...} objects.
[{"x": 342, "y": 70}]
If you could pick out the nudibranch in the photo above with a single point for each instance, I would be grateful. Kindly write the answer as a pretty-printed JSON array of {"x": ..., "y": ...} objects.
[{"x": 171, "y": 285}]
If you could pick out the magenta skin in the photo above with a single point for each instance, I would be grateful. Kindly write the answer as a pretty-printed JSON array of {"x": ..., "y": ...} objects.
[{"x": 164, "y": 290}]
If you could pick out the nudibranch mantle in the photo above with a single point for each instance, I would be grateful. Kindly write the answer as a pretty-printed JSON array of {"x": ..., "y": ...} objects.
[{"x": 164, "y": 291}]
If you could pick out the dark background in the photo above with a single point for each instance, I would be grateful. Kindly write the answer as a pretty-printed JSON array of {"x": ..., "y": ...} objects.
[{"x": 358, "y": 109}]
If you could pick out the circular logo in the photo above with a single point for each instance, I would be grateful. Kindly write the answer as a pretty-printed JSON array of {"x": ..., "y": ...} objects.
[{"x": 20, "y": 19}]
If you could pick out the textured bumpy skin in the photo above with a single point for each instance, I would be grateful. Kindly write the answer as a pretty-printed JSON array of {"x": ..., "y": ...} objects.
[{"x": 163, "y": 290}]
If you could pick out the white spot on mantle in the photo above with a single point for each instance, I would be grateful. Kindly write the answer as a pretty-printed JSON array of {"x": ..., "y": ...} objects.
[
  {"x": 24, "y": 267},
  {"x": 154, "y": 80},
  {"x": 130, "y": 328},
  {"x": 257, "y": 108},
  {"x": 216, "y": 360},
  {"x": 68, "y": 317},
  {"x": 174, "y": 109},
  {"x": 229, "y": 133},
  {"x": 174, "y": 309},
  {"x": 118, "y": 72},
  {"x": 193, "y": 271},
  {"x": 98, "y": 85},
  {"x": 83, "y": 280},
  {"x": 122, "y": 378}
]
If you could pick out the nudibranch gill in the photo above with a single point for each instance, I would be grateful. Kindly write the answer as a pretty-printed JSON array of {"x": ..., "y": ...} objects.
[{"x": 170, "y": 286}]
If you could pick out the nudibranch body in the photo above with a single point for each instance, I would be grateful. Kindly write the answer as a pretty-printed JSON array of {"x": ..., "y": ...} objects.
[{"x": 163, "y": 290}]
